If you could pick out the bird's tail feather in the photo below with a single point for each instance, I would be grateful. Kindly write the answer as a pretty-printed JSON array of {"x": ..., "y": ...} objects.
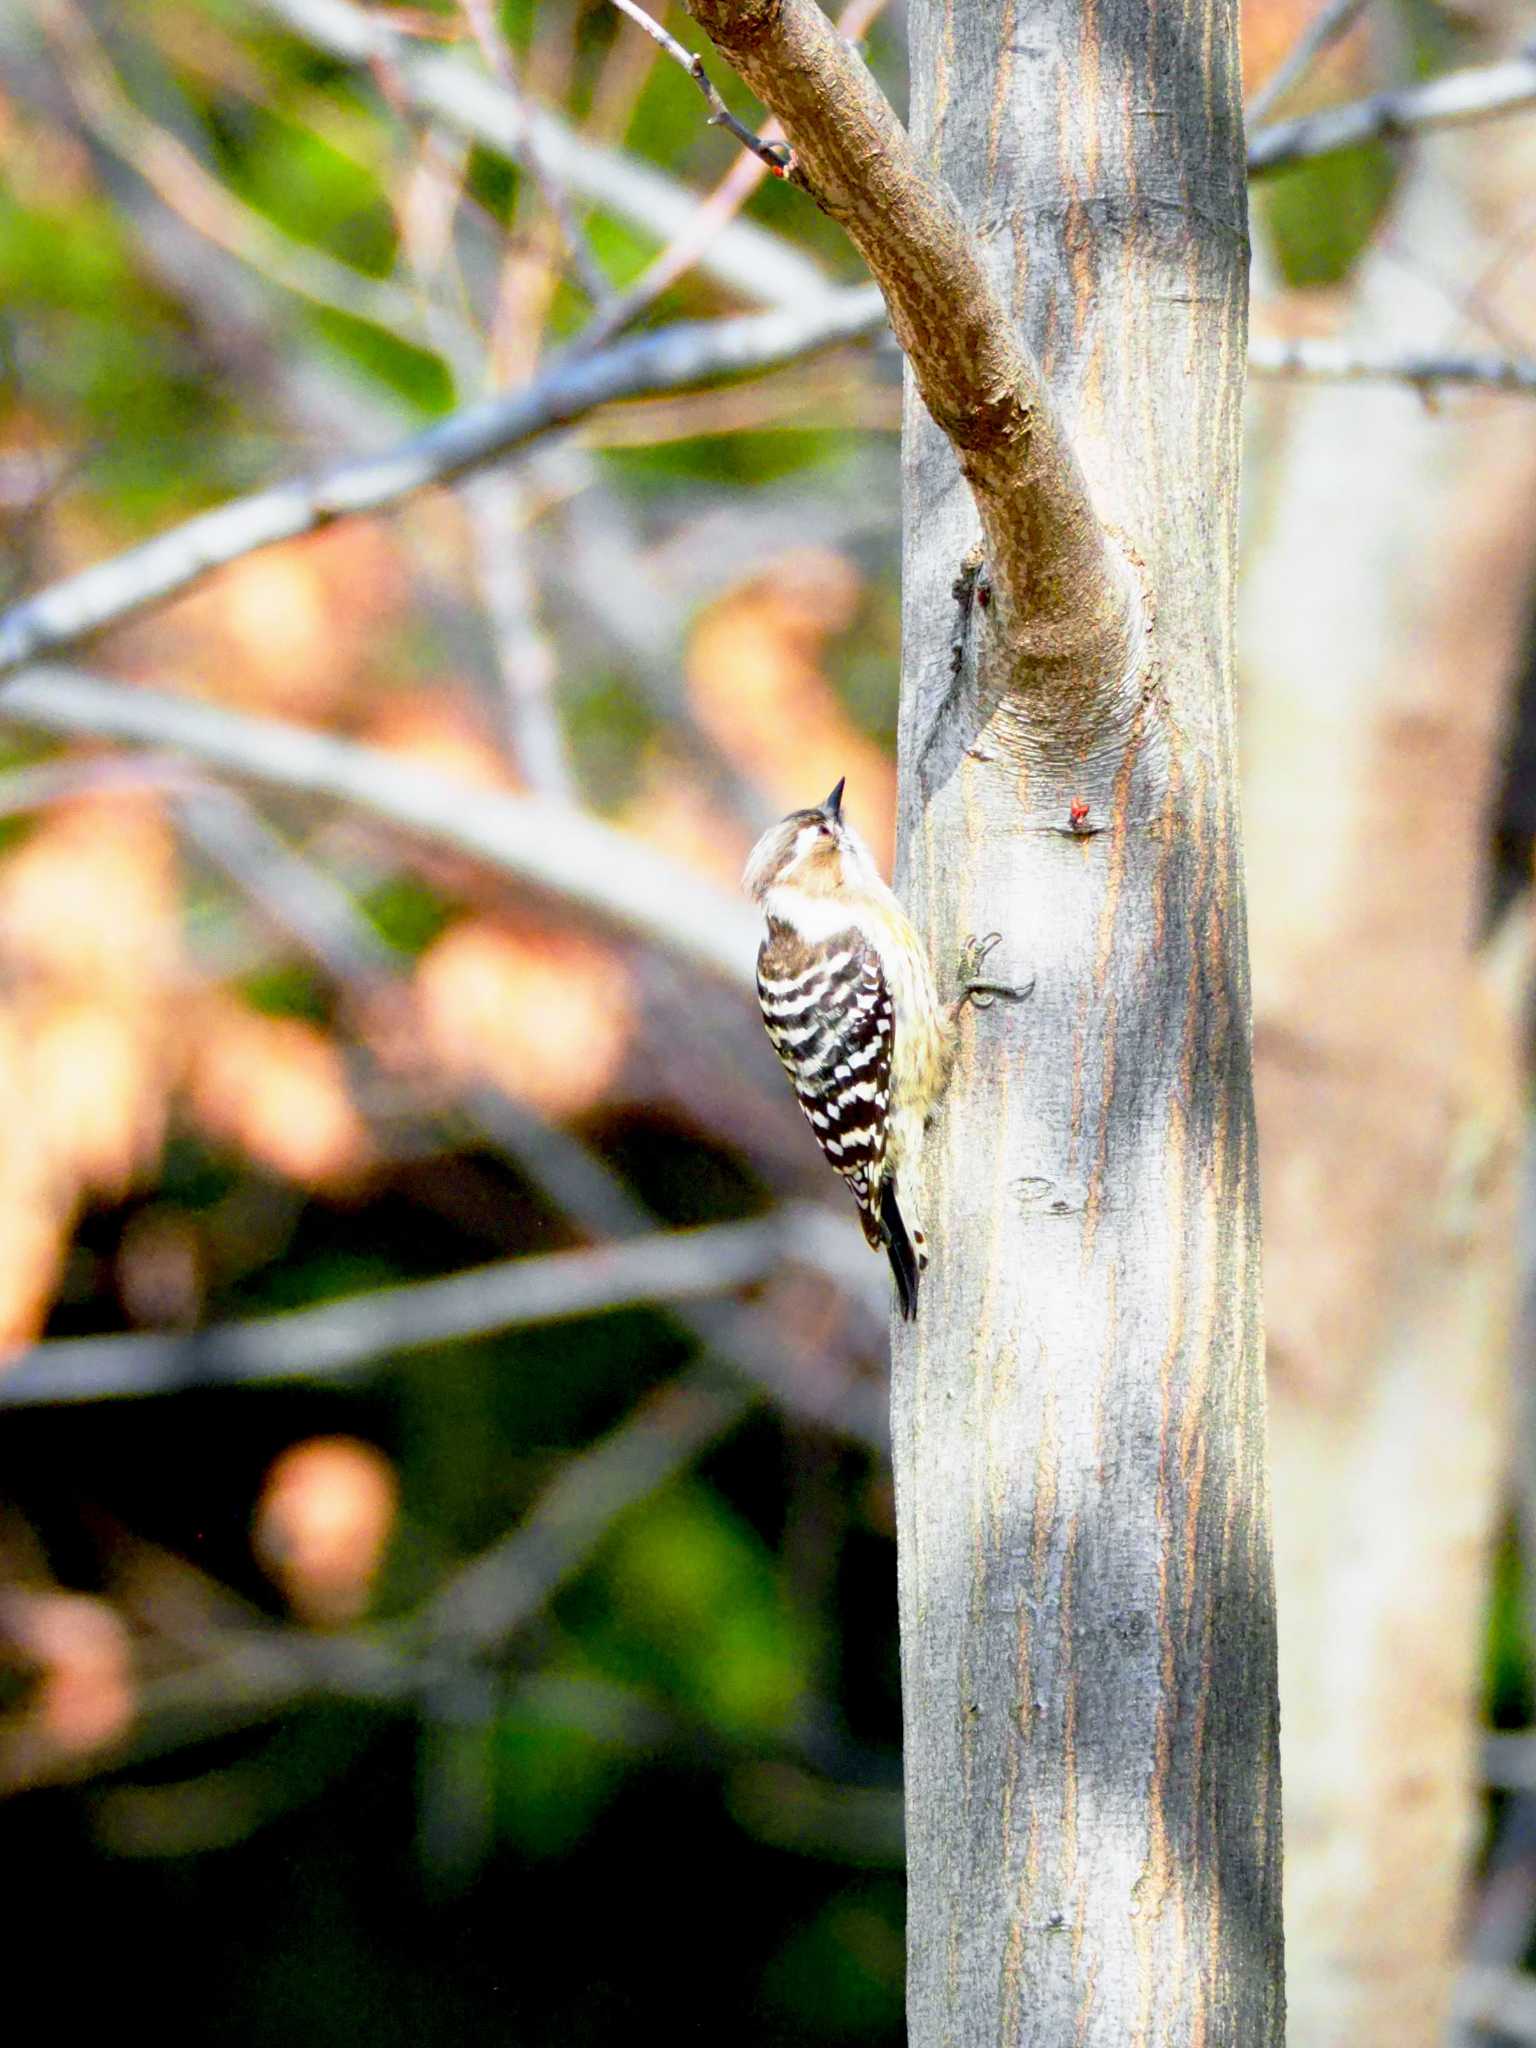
[{"x": 898, "y": 1248}]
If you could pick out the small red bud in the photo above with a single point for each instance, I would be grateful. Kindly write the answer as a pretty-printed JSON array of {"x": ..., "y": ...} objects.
[{"x": 1079, "y": 814}]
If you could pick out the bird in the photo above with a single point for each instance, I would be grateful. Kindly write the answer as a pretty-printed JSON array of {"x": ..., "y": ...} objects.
[{"x": 853, "y": 1011}]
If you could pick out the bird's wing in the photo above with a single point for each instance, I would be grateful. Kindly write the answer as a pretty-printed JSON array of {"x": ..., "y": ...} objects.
[{"x": 830, "y": 1019}]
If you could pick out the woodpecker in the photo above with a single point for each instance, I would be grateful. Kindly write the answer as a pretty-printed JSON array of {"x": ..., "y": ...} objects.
[{"x": 853, "y": 1012}]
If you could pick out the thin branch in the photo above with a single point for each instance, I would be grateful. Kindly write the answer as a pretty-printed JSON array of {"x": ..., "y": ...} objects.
[
  {"x": 1479, "y": 93},
  {"x": 1501, "y": 1911},
  {"x": 299, "y": 897},
  {"x": 713, "y": 213},
  {"x": 807, "y": 1383},
  {"x": 1509, "y": 1762},
  {"x": 680, "y": 358},
  {"x": 66, "y": 776},
  {"x": 426, "y": 206},
  {"x": 1051, "y": 562},
  {"x": 1329, "y": 26},
  {"x": 810, "y": 1384},
  {"x": 340, "y": 1337},
  {"x": 507, "y": 1585},
  {"x": 186, "y": 187},
  {"x": 1496, "y": 2001},
  {"x": 547, "y": 845},
  {"x": 481, "y": 15},
  {"x": 1333, "y": 362},
  {"x": 498, "y": 513},
  {"x": 255, "y": 1674},
  {"x": 775, "y": 155},
  {"x": 747, "y": 258}
]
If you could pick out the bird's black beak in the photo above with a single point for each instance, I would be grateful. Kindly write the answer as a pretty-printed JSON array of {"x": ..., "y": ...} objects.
[{"x": 834, "y": 803}]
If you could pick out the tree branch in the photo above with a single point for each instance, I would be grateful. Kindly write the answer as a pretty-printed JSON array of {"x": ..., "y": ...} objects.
[
  {"x": 186, "y": 187},
  {"x": 747, "y": 258},
  {"x": 340, "y": 1336},
  {"x": 262, "y": 1672},
  {"x": 812, "y": 1385},
  {"x": 772, "y": 154},
  {"x": 1052, "y": 566},
  {"x": 679, "y": 358},
  {"x": 1478, "y": 93},
  {"x": 1326, "y": 28},
  {"x": 494, "y": 47},
  {"x": 548, "y": 845},
  {"x": 713, "y": 212},
  {"x": 498, "y": 512},
  {"x": 1335, "y": 362},
  {"x": 502, "y": 1589}
]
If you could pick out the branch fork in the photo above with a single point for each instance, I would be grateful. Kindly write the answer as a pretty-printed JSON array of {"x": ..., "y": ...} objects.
[{"x": 1065, "y": 609}]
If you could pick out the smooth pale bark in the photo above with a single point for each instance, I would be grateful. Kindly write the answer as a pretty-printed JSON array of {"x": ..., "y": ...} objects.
[
  {"x": 1088, "y": 1648},
  {"x": 1385, "y": 593}
]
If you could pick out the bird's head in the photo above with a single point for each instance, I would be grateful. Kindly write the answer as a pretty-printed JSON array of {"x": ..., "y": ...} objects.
[{"x": 817, "y": 852}]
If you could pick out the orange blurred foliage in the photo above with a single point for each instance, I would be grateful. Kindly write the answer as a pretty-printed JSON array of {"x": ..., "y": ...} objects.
[
  {"x": 440, "y": 732},
  {"x": 547, "y": 1015},
  {"x": 1270, "y": 31},
  {"x": 85, "y": 1695},
  {"x": 99, "y": 1080},
  {"x": 88, "y": 901},
  {"x": 757, "y": 687},
  {"x": 672, "y": 810},
  {"x": 322, "y": 1522},
  {"x": 89, "y": 960},
  {"x": 276, "y": 1087},
  {"x": 35, "y": 1215},
  {"x": 292, "y": 630}
]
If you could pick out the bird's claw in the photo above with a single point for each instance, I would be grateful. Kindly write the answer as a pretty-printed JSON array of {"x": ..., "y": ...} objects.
[
  {"x": 974, "y": 952},
  {"x": 983, "y": 994}
]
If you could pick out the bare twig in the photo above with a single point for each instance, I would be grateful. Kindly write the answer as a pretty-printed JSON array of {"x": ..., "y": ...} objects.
[
  {"x": 188, "y": 188},
  {"x": 1502, "y": 1909},
  {"x": 481, "y": 15},
  {"x": 498, "y": 518},
  {"x": 1479, "y": 93},
  {"x": 746, "y": 1341},
  {"x": 340, "y": 1337},
  {"x": 70, "y": 775},
  {"x": 806, "y": 1383},
  {"x": 1329, "y": 26},
  {"x": 676, "y": 358},
  {"x": 547, "y": 845},
  {"x": 1495, "y": 2001},
  {"x": 775, "y": 155},
  {"x": 749, "y": 259},
  {"x": 1509, "y": 1762},
  {"x": 426, "y": 207},
  {"x": 1052, "y": 565},
  {"x": 1332, "y": 362},
  {"x": 712, "y": 215},
  {"x": 490, "y": 1599},
  {"x": 299, "y": 897}
]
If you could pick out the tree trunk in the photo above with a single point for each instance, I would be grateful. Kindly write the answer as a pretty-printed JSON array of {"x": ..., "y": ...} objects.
[
  {"x": 1384, "y": 601},
  {"x": 1093, "y": 1799}
]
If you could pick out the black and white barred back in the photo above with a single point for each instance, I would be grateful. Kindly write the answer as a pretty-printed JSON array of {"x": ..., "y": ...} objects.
[{"x": 830, "y": 1019}]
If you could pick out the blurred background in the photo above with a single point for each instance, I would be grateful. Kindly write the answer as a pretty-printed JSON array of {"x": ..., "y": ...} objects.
[{"x": 422, "y": 1618}]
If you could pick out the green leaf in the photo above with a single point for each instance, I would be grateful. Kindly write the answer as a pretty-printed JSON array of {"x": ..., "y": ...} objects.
[
  {"x": 1321, "y": 214},
  {"x": 696, "y": 1606},
  {"x": 842, "y": 1974},
  {"x": 552, "y": 1781}
]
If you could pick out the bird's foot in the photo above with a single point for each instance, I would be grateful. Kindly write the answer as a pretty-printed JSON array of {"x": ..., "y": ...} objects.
[{"x": 973, "y": 957}]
